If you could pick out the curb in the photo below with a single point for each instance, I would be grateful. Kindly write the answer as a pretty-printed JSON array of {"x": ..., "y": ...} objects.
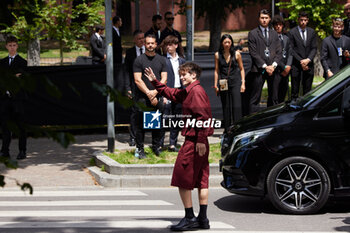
[{"x": 139, "y": 175}]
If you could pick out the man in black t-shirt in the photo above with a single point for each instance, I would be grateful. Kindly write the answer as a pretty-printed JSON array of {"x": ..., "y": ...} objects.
[
  {"x": 169, "y": 30},
  {"x": 146, "y": 94}
]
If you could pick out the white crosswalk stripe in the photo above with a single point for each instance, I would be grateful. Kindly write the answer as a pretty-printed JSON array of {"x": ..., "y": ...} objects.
[{"x": 92, "y": 209}]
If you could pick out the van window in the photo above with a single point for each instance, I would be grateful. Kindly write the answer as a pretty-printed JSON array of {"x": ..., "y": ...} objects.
[{"x": 333, "y": 108}]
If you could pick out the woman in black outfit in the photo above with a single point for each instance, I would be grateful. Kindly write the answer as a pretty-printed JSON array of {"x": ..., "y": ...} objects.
[{"x": 229, "y": 67}]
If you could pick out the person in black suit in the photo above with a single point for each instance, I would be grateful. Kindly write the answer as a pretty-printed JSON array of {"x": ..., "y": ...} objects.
[
  {"x": 266, "y": 52},
  {"x": 11, "y": 104},
  {"x": 155, "y": 29},
  {"x": 169, "y": 30},
  {"x": 304, "y": 47},
  {"x": 173, "y": 63},
  {"x": 335, "y": 50},
  {"x": 98, "y": 46},
  {"x": 346, "y": 30},
  {"x": 117, "y": 41},
  {"x": 131, "y": 54},
  {"x": 281, "y": 82}
]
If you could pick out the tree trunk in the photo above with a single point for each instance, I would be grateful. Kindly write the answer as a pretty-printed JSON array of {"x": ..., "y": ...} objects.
[
  {"x": 318, "y": 69},
  {"x": 61, "y": 52},
  {"x": 215, "y": 31},
  {"x": 33, "y": 52}
]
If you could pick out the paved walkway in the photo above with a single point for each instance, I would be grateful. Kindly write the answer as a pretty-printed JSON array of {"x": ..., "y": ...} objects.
[{"x": 50, "y": 165}]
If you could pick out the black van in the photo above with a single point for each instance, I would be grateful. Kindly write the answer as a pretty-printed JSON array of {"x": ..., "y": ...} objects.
[{"x": 296, "y": 153}]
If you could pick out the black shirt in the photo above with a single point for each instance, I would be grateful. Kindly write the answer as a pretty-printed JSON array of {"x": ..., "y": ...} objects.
[{"x": 158, "y": 65}]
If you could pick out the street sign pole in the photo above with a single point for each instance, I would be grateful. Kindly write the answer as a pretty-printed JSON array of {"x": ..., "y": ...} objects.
[
  {"x": 189, "y": 29},
  {"x": 109, "y": 75}
]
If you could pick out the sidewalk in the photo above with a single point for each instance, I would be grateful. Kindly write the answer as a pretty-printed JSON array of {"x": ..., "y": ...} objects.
[{"x": 50, "y": 165}]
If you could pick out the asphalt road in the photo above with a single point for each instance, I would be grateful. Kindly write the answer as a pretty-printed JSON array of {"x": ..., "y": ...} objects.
[{"x": 73, "y": 210}]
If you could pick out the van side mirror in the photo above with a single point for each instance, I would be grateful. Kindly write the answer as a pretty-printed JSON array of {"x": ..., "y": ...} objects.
[{"x": 346, "y": 103}]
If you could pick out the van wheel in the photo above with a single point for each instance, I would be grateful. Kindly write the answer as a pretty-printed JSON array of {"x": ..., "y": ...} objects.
[{"x": 298, "y": 185}]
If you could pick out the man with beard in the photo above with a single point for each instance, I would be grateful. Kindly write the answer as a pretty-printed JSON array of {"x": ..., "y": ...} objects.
[
  {"x": 146, "y": 94},
  {"x": 335, "y": 50},
  {"x": 155, "y": 30}
]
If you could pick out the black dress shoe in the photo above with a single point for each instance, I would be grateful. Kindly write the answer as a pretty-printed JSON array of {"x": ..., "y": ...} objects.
[
  {"x": 4, "y": 154},
  {"x": 173, "y": 149},
  {"x": 132, "y": 142},
  {"x": 203, "y": 223},
  {"x": 156, "y": 150},
  {"x": 21, "y": 155},
  {"x": 186, "y": 224}
]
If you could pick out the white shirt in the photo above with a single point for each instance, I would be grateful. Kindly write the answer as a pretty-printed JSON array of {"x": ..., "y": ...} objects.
[
  {"x": 301, "y": 33},
  {"x": 13, "y": 57},
  {"x": 117, "y": 30},
  {"x": 263, "y": 31},
  {"x": 98, "y": 36},
  {"x": 138, "y": 50},
  {"x": 175, "y": 64}
]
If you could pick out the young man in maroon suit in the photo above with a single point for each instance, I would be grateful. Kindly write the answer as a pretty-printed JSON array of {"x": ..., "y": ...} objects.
[{"x": 191, "y": 168}]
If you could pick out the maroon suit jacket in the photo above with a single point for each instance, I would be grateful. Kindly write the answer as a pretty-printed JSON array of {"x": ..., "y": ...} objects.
[{"x": 195, "y": 103}]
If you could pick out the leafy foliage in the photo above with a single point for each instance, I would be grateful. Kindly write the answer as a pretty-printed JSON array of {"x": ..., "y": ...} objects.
[
  {"x": 55, "y": 20},
  {"x": 321, "y": 13}
]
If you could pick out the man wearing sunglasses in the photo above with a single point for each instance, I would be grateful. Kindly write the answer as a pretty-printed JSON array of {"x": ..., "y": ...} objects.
[{"x": 169, "y": 30}]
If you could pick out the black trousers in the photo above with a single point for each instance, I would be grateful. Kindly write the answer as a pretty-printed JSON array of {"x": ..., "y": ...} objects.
[
  {"x": 13, "y": 121},
  {"x": 172, "y": 108},
  {"x": 140, "y": 131},
  {"x": 283, "y": 87},
  {"x": 231, "y": 104},
  {"x": 256, "y": 85},
  {"x": 304, "y": 77}
]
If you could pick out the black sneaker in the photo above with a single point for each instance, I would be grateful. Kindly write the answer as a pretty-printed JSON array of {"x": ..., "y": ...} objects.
[
  {"x": 203, "y": 223},
  {"x": 156, "y": 150},
  {"x": 186, "y": 224},
  {"x": 21, "y": 155},
  {"x": 142, "y": 154},
  {"x": 5, "y": 154},
  {"x": 132, "y": 142}
]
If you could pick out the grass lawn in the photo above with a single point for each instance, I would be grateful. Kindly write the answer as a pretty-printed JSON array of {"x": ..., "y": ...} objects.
[{"x": 166, "y": 157}]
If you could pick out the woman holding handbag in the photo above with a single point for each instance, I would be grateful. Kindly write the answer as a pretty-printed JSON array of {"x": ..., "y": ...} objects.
[{"x": 229, "y": 80}]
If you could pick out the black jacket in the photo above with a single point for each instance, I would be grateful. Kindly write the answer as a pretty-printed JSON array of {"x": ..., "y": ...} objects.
[
  {"x": 301, "y": 51},
  {"x": 287, "y": 56},
  {"x": 98, "y": 48},
  {"x": 117, "y": 47},
  {"x": 329, "y": 54},
  {"x": 257, "y": 46}
]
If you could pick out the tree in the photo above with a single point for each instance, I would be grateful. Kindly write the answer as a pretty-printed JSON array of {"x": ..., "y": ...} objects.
[
  {"x": 321, "y": 13},
  {"x": 28, "y": 27},
  {"x": 216, "y": 12},
  {"x": 39, "y": 19},
  {"x": 59, "y": 21}
]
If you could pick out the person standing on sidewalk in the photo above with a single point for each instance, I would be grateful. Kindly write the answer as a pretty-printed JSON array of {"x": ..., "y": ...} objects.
[
  {"x": 304, "y": 47},
  {"x": 173, "y": 61},
  {"x": 284, "y": 66},
  {"x": 191, "y": 168},
  {"x": 98, "y": 46},
  {"x": 146, "y": 94},
  {"x": 131, "y": 54},
  {"x": 266, "y": 52},
  {"x": 229, "y": 71},
  {"x": 335, "y": 50},
  {"x": 12, "y": 105}
]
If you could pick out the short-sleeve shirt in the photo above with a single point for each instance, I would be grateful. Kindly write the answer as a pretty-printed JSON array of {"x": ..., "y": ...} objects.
[{"x": 158, "y": 65}]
